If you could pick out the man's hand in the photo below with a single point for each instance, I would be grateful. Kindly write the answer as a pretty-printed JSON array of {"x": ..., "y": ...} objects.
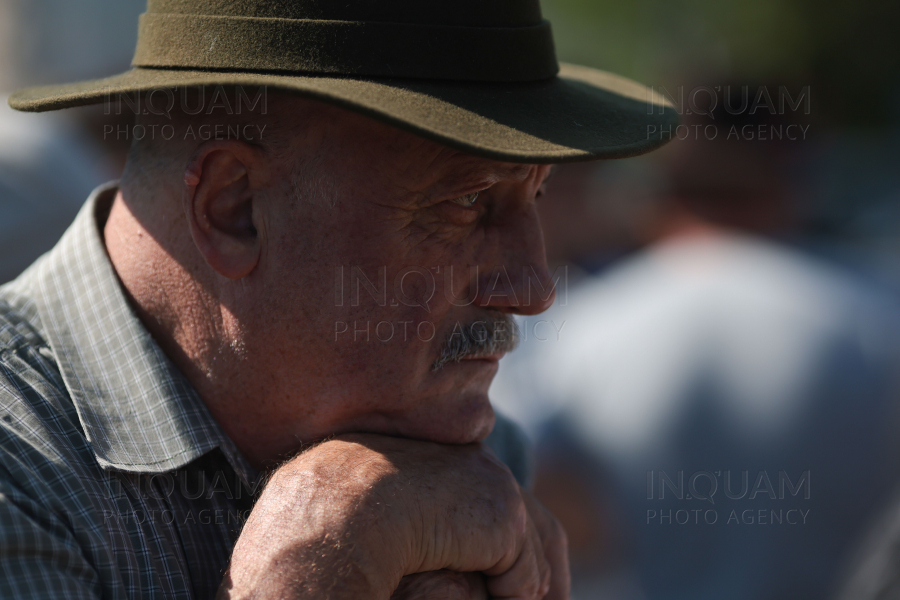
[
  {"x": 350, "y": 518},
  {"x": 442, "y": 585}
]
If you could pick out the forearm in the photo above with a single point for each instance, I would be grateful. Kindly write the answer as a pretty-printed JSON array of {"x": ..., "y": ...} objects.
[
  {"x": 312, "y": 534},
  {"x": 322, "y": 571}
]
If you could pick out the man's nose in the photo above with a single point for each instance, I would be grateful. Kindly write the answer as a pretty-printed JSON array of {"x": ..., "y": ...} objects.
[{"x": 518, "y": 280}]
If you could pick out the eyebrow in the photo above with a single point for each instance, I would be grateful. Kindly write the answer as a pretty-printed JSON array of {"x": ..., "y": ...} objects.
[
  {"x": 504, "y": 171},
  {"x": 485, "y": 172}
]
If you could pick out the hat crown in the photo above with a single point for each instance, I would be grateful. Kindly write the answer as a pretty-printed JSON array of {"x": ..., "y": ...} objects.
[
  {"x": 467, "y": 40},
  {"x": 463, "y": 13}
]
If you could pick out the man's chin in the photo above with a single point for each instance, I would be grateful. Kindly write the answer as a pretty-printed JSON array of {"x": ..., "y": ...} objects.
[
  {"x": 467, "y": 422},
  {"x": 475, "y": 432}
]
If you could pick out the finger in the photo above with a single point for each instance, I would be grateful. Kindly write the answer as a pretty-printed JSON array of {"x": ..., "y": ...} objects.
[
  {"x": 555, "y": 546},
  {"x": 557, "y": 552},
  {"x": 441, "y": 585},
  {"x": 529, "y": 577}
]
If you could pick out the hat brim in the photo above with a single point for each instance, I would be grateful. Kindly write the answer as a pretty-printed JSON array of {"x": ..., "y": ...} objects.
[{"x": 583, "y": 114}]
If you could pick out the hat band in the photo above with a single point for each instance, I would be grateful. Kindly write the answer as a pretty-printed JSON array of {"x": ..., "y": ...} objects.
[{"x": 355, "y": 48}]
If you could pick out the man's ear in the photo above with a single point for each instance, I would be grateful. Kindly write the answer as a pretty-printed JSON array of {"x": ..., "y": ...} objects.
[{"x": 222, "y": 205}]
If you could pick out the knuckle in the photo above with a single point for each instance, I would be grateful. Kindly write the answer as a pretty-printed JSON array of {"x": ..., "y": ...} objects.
[
  {"x": 510, "y": 512},
  {"x": 535, "y": 588},
  {"x": 545, "y": 579}
]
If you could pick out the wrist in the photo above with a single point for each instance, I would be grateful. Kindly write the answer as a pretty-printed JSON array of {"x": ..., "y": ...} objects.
[{"x": 324, "y": 527}]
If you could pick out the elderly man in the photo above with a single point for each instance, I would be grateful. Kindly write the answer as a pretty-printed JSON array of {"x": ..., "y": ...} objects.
[{"x": 331, "y": 273}]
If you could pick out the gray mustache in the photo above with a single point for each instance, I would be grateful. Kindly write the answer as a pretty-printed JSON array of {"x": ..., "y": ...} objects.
[{"x": 489, "y": 335}]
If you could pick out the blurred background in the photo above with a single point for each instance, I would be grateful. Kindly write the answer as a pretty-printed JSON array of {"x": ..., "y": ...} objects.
[
  {"x": 714, "y": 396},
  {"x": 50, "y": 162}
]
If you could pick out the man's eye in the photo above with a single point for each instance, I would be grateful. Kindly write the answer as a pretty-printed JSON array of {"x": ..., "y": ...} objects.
[{"x": 467, "y": 200}]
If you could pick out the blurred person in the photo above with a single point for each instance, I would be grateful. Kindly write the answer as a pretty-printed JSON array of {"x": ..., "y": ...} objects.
[
  {"x": 49, "y": 165},
  {"x": 715, "y": 412}
]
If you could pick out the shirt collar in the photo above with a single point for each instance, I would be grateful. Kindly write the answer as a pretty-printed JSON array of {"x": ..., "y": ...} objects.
[{"x": 138, "y": 411}]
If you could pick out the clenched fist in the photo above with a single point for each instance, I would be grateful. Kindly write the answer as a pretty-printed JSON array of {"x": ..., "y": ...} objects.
[{"x": 370, "y": 516}]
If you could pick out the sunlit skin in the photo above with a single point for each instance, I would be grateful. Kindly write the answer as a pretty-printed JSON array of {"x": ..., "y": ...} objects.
[{"x": 396, "y": 211}]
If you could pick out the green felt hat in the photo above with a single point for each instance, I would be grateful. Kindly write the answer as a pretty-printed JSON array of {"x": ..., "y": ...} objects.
[{"x": 478, "y": 75}]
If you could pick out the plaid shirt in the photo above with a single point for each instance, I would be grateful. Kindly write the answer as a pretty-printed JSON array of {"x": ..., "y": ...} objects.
[{"x": 115, "y": 481}]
